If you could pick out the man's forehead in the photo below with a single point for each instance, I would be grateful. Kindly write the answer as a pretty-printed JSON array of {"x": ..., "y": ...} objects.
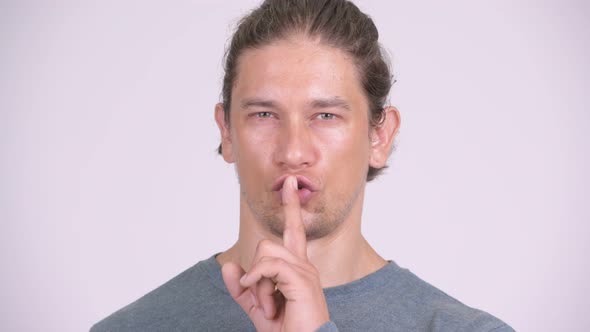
[
  {"x": 322, "y": 78},
  {"x": 294, "y": 56}
]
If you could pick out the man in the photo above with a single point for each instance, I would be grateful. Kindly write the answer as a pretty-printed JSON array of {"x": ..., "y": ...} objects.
[{"x": 303, "y": 119}]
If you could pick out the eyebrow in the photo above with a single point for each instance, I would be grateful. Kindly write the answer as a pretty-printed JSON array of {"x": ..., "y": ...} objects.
[
  {"x": 331, "y": 102},
  {"x": 316, "y": 103},
  {"x": 256, "y": 102}
]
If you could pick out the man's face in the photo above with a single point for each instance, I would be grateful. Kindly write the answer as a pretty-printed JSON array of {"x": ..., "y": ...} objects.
[{"x": 298, "y": 108}]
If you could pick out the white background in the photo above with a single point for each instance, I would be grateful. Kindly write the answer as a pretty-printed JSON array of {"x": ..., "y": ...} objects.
[{"x": 110, "y": 184}]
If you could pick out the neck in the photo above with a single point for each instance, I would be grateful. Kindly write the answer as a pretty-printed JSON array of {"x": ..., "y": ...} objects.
[{"x": 340, "y": 257}]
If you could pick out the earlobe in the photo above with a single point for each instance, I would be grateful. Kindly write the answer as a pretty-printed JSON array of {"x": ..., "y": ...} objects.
[
  {"x": 382, "y": 137},
  {"x": 226, "y": 143}
]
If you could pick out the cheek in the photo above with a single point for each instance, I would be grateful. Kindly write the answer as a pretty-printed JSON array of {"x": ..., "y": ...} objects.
[
  {"x": 350, "y": 143},
  {"x": 254, "y": 134},
  {"x": 253, "y": 150},
  {"x": 346, "y": 161}
]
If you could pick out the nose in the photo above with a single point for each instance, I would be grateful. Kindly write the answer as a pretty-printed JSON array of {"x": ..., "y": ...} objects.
[{"x": 295, "y": 150}]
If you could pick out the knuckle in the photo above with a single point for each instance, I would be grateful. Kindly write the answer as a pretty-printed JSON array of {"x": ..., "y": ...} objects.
[
  {"x": 280, "y": 264},
  {"x": 264, "y": 246},
  {"x": 310, "y": 273},
  {"x": 313, "y": 270},
  {"x": 265, "y": 259}
]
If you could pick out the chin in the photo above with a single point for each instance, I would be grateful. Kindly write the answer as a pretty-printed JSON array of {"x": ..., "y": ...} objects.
[
  {"x": 316, "y": 227},
  {"x": 320, "y": 218},
  {"x": 314, "y": 233}
]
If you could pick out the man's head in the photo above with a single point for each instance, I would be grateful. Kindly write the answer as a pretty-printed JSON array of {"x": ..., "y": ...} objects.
[
  {"x": 304, "y": 95},
  {"x": 337, "y": 23}
]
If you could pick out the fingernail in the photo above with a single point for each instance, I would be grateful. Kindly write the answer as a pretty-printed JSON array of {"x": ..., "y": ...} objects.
[
  {"x": 254, "y": 300},
  {"x": 294, "y": 182}
]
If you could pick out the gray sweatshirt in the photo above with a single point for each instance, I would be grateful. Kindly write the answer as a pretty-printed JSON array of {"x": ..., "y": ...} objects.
[{"x": 390, "y": 299}]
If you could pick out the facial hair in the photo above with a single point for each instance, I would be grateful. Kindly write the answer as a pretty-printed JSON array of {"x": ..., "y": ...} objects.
[{"x": 320, "y": 217}]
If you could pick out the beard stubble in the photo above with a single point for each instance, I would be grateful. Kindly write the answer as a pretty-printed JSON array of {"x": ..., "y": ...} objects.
[{"x": 323, "y": 217}]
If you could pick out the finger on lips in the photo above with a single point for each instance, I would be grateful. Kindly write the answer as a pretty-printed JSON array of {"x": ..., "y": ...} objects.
[
  {"x": 274, "y": 265},
  {"x": 294, "y": 238}
]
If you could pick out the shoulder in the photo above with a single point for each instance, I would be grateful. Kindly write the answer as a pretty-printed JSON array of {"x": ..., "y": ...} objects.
[
  {"x": 183, "y": 301},
  {"x": 440, "y": 311},
  {"x": 395, "y": 297}
]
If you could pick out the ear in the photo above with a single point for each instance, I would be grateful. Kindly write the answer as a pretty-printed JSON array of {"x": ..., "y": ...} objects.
[
  {"x": 382, "y": 137},
  {"x": 226, "y": 142}
]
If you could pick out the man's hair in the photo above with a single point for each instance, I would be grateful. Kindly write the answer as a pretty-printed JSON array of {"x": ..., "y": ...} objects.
[{"x": 337, "y": 23}]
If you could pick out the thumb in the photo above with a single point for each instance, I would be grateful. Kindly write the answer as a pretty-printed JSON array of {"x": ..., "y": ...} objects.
[{"x": 231, "y": 273}]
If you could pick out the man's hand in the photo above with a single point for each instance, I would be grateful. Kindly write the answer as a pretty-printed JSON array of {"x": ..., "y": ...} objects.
[{"x": 282, "y": 290}]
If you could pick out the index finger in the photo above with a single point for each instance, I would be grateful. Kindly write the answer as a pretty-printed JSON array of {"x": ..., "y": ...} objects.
[{"x": 294, "y": 238}]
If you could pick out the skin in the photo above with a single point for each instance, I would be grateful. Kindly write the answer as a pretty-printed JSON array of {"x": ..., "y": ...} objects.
[{"x": 298, "y": 109}]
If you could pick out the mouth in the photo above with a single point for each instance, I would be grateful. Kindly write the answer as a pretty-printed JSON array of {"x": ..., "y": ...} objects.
[
  {"x": 305, "y": 188},
  {"x": 302, "y": 183}
]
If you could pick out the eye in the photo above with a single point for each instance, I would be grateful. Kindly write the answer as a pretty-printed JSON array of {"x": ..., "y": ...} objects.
[
  {"x": 263, "y": 114},
  {"x": 326, "y": 116}
]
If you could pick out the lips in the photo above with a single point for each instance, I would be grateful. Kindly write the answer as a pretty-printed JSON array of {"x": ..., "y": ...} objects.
[
  {"x": 305, "y": 188},
  {"x": 302, "y": 183}
]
